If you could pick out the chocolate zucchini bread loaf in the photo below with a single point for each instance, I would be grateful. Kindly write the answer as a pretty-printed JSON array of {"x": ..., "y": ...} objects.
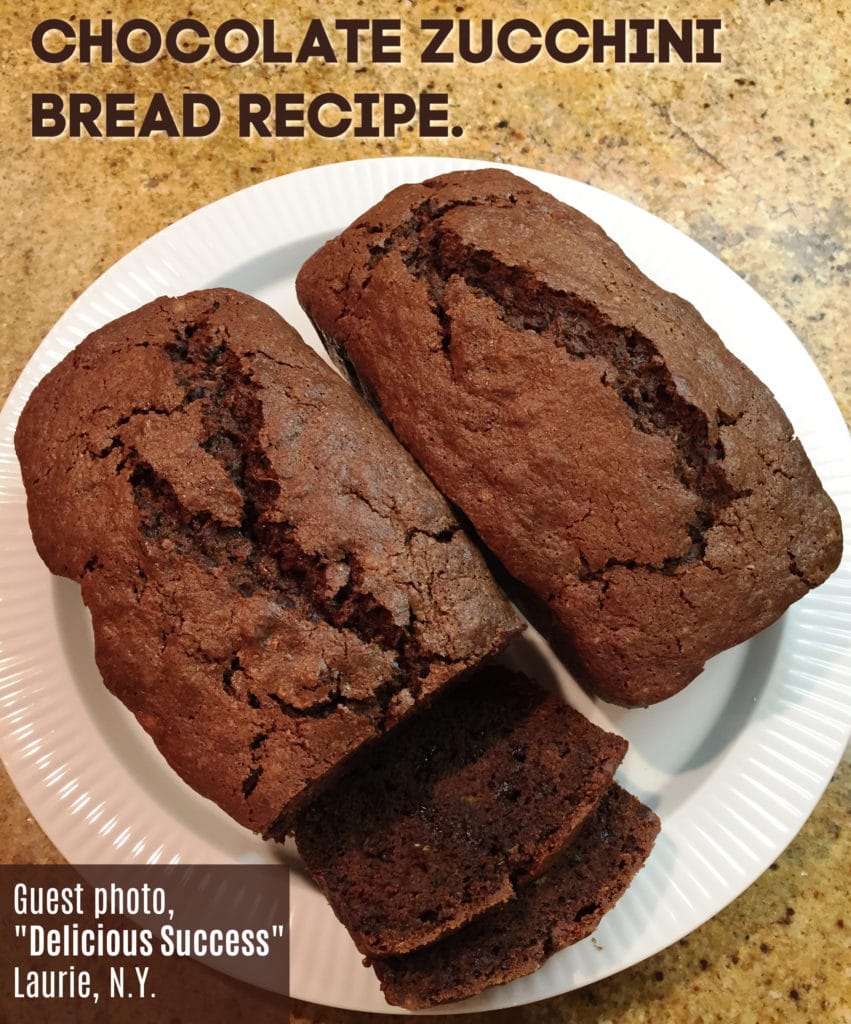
[
  {"x": 625, "y": 467},
  {"x": 272, "y": 581},
  {"x": 452, "y": 812},
  {"x": 560, "y": 908}
]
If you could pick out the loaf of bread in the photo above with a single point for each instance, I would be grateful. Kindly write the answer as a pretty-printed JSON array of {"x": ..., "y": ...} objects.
[
  {"x": 639, "y": 482},
  {"x": 272, "y": 581},
  {"x": 455, "y": 810},
  {"x": 516, "y": 938}
]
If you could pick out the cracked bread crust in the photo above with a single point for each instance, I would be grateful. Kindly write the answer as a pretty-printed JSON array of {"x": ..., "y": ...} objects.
[
  {"x": 452, "y": 813},
  {"x": 272, "y": 581},
  {"x": 624, "y": 466}
]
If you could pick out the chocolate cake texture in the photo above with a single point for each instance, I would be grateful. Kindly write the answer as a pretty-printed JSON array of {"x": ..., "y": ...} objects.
[
  {"x": 455, "y": 811},
  {"x": 558, "y": 909}
]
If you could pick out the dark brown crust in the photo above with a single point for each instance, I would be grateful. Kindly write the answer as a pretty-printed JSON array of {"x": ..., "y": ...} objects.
[
  {"x": 617, "y": 459},
  {"x": 455, "y": 810},
  {"x": 560, "y": 908},
  {"x": 272, "y": 581}
]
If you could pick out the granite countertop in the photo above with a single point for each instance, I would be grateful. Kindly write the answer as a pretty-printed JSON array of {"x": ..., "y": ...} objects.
[{"x": 750, "y": 157}]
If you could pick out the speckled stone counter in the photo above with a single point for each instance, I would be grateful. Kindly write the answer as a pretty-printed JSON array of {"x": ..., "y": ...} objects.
[{"x": 750, "y": 157}]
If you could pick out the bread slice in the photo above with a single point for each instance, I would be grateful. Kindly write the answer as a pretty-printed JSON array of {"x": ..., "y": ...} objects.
[
  {"x": 516, "y": 938},
  {"x": 454, "y": 811},
  {"x": 272, "y": 580}
]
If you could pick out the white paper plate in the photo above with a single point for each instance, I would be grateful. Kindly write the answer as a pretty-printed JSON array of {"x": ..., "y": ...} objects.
[{"x": 733, "y": 765}]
